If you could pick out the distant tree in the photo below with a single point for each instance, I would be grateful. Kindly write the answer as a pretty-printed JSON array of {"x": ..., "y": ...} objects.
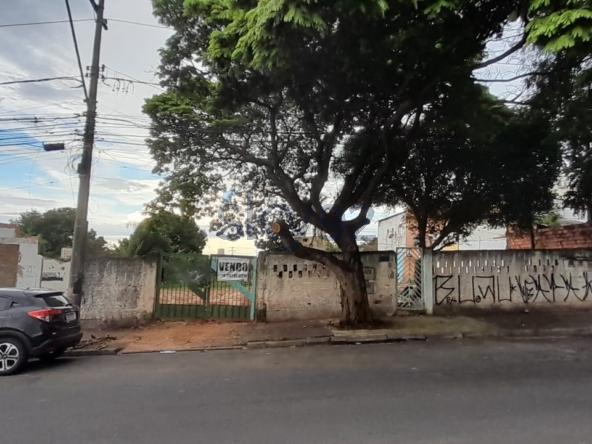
[
  {"x": 163, "y": 233},
  {"x": 55, "y": 229}
]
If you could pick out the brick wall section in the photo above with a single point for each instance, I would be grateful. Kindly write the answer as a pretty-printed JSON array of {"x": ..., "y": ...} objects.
[
  {"x": 9, "y": 255},
  {"x": 568, "y": 237}
]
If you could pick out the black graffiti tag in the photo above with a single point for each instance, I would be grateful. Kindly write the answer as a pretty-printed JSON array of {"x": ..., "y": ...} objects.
[
  {"x": 440, "y": 284},
  {"x": 568, "y": 282},
  {"x": 483, "y": 286}
]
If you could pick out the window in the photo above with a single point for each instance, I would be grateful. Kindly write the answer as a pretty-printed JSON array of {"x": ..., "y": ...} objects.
[{"x": 55, "y": 300}]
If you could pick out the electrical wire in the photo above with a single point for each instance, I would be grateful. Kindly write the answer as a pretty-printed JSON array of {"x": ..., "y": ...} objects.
[
  {"x": 132, "y": 22},
  {"x": 45, "y": 79},
  {"x": 12, "y": 25},
  {"x": 76, "y": 49}
]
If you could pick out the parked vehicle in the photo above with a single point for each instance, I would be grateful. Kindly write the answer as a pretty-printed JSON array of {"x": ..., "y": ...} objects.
[{"x": 35, "y": 324}]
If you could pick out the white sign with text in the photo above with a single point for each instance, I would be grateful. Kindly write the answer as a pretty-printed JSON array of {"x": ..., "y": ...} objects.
[{"x": 233, "y": 268}]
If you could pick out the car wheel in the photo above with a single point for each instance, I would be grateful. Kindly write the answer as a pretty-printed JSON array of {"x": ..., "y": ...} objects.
[
  {"x": 13, "y": 356},
  {"x": 48, "y": 357}
]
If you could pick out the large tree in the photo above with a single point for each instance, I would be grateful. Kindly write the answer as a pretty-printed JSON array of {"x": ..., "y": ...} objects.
[
  {"x": 281, "y": 97},
  {"x": 55, "y": 229}
]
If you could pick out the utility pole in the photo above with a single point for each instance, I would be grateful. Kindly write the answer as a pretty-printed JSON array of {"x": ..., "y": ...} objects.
[{"x": 84, "y": 168}]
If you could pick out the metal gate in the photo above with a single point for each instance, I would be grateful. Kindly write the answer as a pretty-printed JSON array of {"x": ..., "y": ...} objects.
[
  {"x": 206, "y": 287},
  {"x": 409, "y": 295}
]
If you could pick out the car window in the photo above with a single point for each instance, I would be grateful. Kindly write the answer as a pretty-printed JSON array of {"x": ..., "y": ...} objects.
[{"x": 55, "y": 300}]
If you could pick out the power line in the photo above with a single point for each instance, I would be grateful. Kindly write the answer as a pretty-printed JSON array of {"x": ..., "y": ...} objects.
[
  {"x": 76, "y": 49},
  {"x": 122, "y": 143},
  {"x": 12, "y": 25},
  {"x": 45, "y": 79},
  {"x": 132, "y": 22}
]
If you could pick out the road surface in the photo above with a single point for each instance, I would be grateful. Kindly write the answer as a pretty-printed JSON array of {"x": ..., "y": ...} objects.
[{"x": 416, "y": 392}]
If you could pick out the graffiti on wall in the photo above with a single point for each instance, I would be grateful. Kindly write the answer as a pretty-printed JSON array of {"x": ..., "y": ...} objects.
[
  {"x": 503, "y": 277},
  {"x": 528, "y": 289}
]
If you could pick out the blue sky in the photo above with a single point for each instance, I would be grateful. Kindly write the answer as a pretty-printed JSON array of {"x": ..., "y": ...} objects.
[{"x": 33, "y": 179}]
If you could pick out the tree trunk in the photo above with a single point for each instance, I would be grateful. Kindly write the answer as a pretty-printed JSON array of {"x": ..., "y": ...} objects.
[
  {"x": 355, "y": 309},
  {"x": 349, "y": 270}
]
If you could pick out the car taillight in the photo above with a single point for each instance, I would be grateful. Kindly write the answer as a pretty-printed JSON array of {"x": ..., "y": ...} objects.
[{"x": 45, "y": 314}]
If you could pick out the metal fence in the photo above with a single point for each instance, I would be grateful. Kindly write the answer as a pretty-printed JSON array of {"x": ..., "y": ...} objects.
[
  {"x": 195, "y": 286},
  {"x": 409, "y": 294}
]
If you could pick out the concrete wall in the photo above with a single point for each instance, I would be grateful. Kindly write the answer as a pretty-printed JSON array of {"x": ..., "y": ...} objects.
[
  {"x": 30, "y": 263},
  {"x": 512, "y": 279},
  {"x": 119, "y": 289},
  {"x": 292, "y": 288}
]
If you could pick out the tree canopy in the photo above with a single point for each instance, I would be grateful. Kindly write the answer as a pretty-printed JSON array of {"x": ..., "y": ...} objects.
[
  {"x": 280, "y": 98},
  {"x": 55, "y": 229},
  {"x": 163, "y": 233},
  {"x": 473, "y": 160}
]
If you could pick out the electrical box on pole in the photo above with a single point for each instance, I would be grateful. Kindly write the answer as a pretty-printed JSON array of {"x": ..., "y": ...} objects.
[{"x": 53, "y": 147}]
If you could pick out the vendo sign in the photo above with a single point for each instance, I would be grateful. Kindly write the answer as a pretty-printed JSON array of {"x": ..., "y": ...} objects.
[{"x": 233, "y": 268}]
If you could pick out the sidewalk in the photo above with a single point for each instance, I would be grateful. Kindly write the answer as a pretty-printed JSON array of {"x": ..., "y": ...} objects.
[{"x": 215, "y": 335}]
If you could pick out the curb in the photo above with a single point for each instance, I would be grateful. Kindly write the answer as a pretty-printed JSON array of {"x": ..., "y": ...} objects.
[
  {"x": 103, "y": 352},
  {"x": 358, "y": 340},
  {"x": 182, "y": 350}
]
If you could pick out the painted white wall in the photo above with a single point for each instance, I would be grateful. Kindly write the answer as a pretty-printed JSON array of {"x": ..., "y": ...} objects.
[
  {"x": 30, "y": 263},
  {"x": 7, "y": 232},
  {"x": 484, "y": 238},
  {"x": 54, "y": 274},
  {"x": 392, "y": 232}
]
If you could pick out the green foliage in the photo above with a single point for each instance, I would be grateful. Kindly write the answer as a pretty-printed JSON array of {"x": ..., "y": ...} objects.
[
  {"x": 560, "y": 24},
  {"x": 562, "y": 93},
  {"x": 55, "y": 229},
  {"x": 473, "y": 160},
  {"x": 164, "y": 233}
]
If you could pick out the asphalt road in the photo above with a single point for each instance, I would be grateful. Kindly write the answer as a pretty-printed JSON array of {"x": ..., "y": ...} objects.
[{"x": 434, "y": 392}]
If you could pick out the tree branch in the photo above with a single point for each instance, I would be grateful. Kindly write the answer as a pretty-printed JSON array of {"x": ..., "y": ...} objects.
[
  {"x": 503, "y": 55},
  {"x": 511, "y": 79},
  {"x": 281, "y": 229}
]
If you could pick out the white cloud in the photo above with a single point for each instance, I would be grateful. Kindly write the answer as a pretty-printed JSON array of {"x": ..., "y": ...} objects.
[{"x": 31, "y": 179}]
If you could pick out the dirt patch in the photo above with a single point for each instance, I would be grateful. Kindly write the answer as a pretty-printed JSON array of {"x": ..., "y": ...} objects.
[{"x": 182, "y": 335}]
